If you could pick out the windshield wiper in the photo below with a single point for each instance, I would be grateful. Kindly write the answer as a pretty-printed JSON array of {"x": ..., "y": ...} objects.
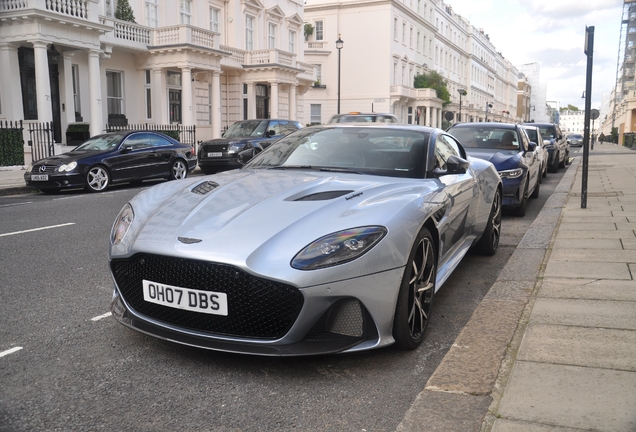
[
  {"x": 340, "y": 169},
  {"x": 283, "y": 167}
]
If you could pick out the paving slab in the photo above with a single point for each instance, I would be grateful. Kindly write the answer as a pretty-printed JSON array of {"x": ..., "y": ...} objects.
[
  {"x": 587, "y": 270},
  {"x": 595, "y": 234},
  {"x": 571, "y": 396},
  {"x": 580, "y": 346},
  {"x": 591, "y": 226},
  {"x": 590, "y": 289},
  {"x": 472, "y": 364},
  {"x": 629, "y": 243},
  {"x": 505, "y": 425},
  {"x": 443, "y": 412},
  {"x": 523, "y": 265},
  {"x": 585, "y": 313},
  {"x": 564, "y": 243},
  {"x": 578, "y": 218},
  {"x": 617, "y": 255}
]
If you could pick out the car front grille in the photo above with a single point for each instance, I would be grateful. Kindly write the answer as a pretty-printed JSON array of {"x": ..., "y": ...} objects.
[
  {"x": 48, "y": 169},
  {"x": 257, "y": 308},
  {"x": 214, "y": 148}
]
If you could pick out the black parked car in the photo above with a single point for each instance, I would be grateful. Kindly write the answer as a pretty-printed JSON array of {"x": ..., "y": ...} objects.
[
  {"x": 556, "y": 144},
  {"x": 254, "y": 135},
  {"x": 115, "y": 157}
]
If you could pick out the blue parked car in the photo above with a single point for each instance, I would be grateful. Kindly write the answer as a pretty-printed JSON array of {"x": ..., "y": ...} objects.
[{"x": 508, "y": 148}]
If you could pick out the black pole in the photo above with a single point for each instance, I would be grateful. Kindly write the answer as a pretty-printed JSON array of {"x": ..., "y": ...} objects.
[
  {"x": 339, "y": 80},
  {"x": 460, "y": 107},
  {"x": 589, "y": 51}
]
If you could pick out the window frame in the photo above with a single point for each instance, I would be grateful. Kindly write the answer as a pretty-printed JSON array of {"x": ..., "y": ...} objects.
[{"x": 111, "y": 99}]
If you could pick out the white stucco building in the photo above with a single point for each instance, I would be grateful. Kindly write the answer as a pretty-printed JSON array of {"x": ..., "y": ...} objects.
[
  {"x": 386, "y": 44},
  {"x": 204, "y": 63},
  {"x": 572, "y": 121}
]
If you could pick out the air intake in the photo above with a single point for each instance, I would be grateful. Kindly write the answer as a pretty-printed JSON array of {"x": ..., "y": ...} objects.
[
  {"x": 205, "y": 187},
  {"x": 323, "y": 196}
]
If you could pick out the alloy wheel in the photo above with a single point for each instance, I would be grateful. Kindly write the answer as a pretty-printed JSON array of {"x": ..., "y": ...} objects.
[
  {"x": 97, "y": 179},
  {"x": 421, "y": 287}
]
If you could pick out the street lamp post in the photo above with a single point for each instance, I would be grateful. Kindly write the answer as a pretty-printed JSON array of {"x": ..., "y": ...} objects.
[
  {"x": 339, "y": 44},
  {"x": 488, "y": 105},
  {"x": 462, "y": 92}
]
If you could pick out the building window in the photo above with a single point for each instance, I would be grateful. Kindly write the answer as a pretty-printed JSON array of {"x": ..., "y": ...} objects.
[
  {"x": 292, "y": 42},
  {"x": 319, "y": 31},
  {"x": 418, "y": 41},
  {"x": 148, "y": 96},
  {"x": 76, "y": 91},
  {"x": 315, "y": 114},
  {"x": 108, "y": 6},
  {"x": 185, "y": 8},
  {"x": 151, "y": 13},
  {"x": 394, "y": 73},
  {"x": 245, "y": 106},
  {"x": 214, "y": 20},
  {"x": 249, "y": 33},
  {"x": 114, "y": 92},
  {"x": 411, "y": 37},
  {"x": 271, "y": 35},
  {"x": 318, "y": 69},
  {"x": 395, "y": 28},
  {"x": 403, "y": 32}
]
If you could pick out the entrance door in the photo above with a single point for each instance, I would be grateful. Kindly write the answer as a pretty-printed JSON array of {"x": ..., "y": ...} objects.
[
  {"x": 174, "y": 101},
  {"x": 262, "y": 101}
]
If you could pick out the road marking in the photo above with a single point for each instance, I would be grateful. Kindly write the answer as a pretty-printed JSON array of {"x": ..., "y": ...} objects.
[
  {"x": 16, "y": 204},
  {"x": 97, "y": 318},
  {"x": 11, "y": 351},
  {"x": 37, "y": 229}
]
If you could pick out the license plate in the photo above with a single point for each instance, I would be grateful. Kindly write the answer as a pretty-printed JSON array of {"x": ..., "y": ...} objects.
[
  {"x": 208, "y": 302},
  {"x": 215, "y": 154},
  {"x": 39, "y": 177}
]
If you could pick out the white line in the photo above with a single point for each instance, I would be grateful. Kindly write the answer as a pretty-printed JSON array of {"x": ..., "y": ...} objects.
[
  {"x": 16, "y": 204},
  {"x": 11, "y": 351},
  {"x": 37, "y": 229},
  {"x": 97, "y": 318}
]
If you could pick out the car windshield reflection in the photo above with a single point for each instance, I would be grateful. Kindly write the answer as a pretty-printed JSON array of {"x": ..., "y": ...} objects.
[
  {"x": 377, "y": 151},
  {"x": 254, "y": 128},
  {"x": 101, "y": 143}
]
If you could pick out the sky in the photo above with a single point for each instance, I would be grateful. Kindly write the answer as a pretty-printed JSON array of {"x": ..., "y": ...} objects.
[{"x": 552, "y": 33}]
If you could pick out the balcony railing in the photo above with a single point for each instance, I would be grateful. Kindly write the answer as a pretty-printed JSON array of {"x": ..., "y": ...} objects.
[
  {"x": 270, "y": 56},
  {"x": 71, "y": 8},
  {"x": 185, "y": 34},
  {"x": 316, "y": 45}
]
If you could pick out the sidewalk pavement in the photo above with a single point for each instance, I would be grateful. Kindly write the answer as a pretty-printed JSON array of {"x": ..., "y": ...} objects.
[{"x": 552, "y": 346}]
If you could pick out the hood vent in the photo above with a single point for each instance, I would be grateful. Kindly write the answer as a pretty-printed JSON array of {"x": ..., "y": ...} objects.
[
  {"x": 205, "y": 187},
  {"x": 323, "y": 196}
]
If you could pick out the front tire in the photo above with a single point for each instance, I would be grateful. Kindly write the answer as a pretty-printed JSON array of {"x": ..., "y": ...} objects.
[
  {"x": 97, "y": 179},
  {"x": 179, "y": 170},
  {"x": 535, "y": 192},
  {"x": 489, "y": 241},
  {"x": 415, "y": 299}
]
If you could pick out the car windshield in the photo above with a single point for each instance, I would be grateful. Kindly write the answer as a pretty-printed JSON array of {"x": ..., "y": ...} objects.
[
  {"x": 576, "y": 136},
  {"x": 101, "y": 142},
  {"x": 486, "y": 137},
  {"x": 532, "y": 134},
  {"x": 362, "y": 118},
  {"x": 250, "y": 128},
  {"x": 378, "y": 151},
  {"x": 547, "y": 132}
]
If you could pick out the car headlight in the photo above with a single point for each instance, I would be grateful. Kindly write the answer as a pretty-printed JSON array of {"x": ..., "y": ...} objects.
[
  {"x": 338, "y": 248},
  {"x": 235, "y": 147},
  {"x": 67, "y": 167},
  {"x": 122, "y": 223},
  {"x": 511, "y": 174}
]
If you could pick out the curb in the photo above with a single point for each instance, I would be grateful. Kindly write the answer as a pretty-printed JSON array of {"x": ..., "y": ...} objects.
[{"x": 470, "y": 379}]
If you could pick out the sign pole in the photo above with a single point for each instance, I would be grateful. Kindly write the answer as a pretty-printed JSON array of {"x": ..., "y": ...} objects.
[{"x": 589, "y": 51}]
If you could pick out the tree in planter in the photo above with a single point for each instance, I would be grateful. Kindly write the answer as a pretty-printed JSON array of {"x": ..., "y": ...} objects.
[
  {"x": 309, "y": 30},
  {"x": 124, "y": 12},
  {"x": 436, "y": 81}
]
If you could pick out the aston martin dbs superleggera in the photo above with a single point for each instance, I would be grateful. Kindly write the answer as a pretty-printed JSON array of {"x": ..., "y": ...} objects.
[{"x": 334, "y": 239}]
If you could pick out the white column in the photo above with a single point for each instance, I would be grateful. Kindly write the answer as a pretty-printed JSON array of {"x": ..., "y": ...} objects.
[
  {"x": 69, "y": 101},
  {"x": 216, "y": 105},
  {"x": 42, "y": 82},
  {"x": 292, "y": 102},
  {"x": 9, "y": 82},
  {"x": 95, "y": 93},
  {"x": 428, "y": 115},
  {"x": 186, "y": 97},
  {"x": 251, "y": 101},
  {"x": 159, "y": 101},
  {"x": 273, "y": 101}
]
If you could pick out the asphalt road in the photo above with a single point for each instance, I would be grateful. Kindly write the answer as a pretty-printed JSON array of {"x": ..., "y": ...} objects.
[{"x": 80, "y": 370}]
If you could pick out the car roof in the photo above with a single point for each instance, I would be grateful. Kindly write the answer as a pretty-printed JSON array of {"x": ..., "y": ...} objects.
[{"x": 486, "y": 125}]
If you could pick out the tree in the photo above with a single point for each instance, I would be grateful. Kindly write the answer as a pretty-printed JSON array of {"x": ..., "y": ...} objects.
[
  {"x": 436, "y": 81},
  {"x": 124, "y": 12},
  {"x": 614, "y": 135},
  {"x": 569, "y": 108}
]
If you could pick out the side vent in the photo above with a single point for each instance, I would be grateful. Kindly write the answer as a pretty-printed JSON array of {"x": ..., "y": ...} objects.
[
  {"x": 323, "y": 196},
  {"x": 205, "y": 187}
]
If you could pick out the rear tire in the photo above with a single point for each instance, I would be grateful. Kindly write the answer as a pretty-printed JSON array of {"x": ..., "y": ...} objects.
[
  {"x": 97, "y": 179},
  {"x": 415, "y": 299},
  {"x": 178, "y": 170},
  {"x": 489, "y": 241}
]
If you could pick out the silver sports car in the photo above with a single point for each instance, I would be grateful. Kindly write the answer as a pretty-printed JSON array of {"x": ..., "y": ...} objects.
[{"x": 334, "y": 239}]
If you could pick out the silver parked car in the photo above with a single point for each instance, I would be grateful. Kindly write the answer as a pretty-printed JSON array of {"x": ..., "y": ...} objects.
[
  {"x": 334, "y": 239},
  {"x": 534, "y": 135}
]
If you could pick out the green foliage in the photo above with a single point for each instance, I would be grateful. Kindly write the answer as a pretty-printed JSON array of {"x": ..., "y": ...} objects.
[
  {"x": 11, "y": 147},
  {"x": 614, "y": 135},
  {"x": 78, "y": 127},
  {"x": 124, "y": 12},
  {"x": 308, "y": 29},
  {"x": 569, "y": 108},
  {"x": 436, "y": 81}
]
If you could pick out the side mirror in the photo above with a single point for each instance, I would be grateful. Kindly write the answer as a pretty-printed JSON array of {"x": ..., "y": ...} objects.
[
  {"x": 246, "y": 155},
  {"x": 532, "y": 146},
  {"x": 271, "y": 133},
  {"x": 126, "y": 149},
  {"x": 456, "y": 165}
]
